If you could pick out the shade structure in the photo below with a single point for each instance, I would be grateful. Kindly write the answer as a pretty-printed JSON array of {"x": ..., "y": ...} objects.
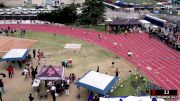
[
  {"x": 125, "y": 22},
  {"x": 15, "y": 55},
  {"x": 97, "y": 82},
  {"x": 51, "y": 73},
  {"x": 72, "y": 46},
  {"x": 131, "y": 98},
  {"x": 156, "y": 21}
]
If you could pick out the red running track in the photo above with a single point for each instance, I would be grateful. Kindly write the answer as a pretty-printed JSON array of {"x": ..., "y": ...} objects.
[{"x": 147, "y": 52}]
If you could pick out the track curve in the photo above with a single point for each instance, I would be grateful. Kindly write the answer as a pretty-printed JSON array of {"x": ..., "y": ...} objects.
[{"x": 163, "y": 61}]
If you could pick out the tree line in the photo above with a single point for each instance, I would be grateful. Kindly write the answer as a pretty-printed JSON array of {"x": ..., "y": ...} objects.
[{"x": 92, "y": 12}]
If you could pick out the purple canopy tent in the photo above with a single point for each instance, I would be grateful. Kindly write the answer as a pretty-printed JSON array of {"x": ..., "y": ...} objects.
[{"x": 51, "y": 73}]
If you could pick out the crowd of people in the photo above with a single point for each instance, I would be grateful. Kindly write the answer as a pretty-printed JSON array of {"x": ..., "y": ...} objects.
[
  {"x": 171, "y": 37},
  {"x": 93, "y": 97},
  {"x": 11, "y": 32},
  {"x": 7, "y": 31},
  {"x": 58, "y": 87}
]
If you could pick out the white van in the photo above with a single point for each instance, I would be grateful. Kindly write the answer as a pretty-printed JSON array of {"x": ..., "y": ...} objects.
[
  {"x": 17, "y": 11},
  {"x": 2, "y": 12},
  {"x": 25, "y": 11},
  {"x": 8, "y": 12},
  {"x": 40, "y": 11},
  {"x": 48, "y": 10},
  {"x": 19, "y": 8},
  {"x": 13, "y": 9},
  {"x": 33, "y": 11}
]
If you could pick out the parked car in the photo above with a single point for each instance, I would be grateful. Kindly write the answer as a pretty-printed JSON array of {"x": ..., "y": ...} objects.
[
  {"x": 2, "y": 12},
  {"x": 8, "y": 12},
  {"x": 19, "y": 8},
  {"x": 18, "y": 11},
  {"x": 25, "y": 11},
  {"x": 33, "y": 11},
  {"x": 40, "y": 11},
  {"x": 48, "y": 11},
  {"x": 13, "y": 9}
]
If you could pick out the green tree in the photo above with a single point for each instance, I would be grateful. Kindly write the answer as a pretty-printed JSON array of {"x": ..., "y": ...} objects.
[
  {"x": 93, "y": 11},
  {"x": 2, "y": 5},
  {"x": 67, "y": 15}
]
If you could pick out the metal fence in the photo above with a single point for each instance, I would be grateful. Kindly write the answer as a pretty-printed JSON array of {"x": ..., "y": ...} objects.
[{"x": 18, "y": 17}]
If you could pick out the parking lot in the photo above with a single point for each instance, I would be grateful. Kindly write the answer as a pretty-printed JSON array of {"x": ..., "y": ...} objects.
[{"x": 24, "y": 11}]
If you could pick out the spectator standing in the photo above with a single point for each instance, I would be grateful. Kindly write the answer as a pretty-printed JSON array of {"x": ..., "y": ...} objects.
[
  {"x": 34, "y": 53},
  {"x": 33, "y": 73},
  {"x": 24, "y": 32},
  {"x": 73, "y": 77},
  {"x": 53, "y": 95},
  {"x": 68, "y": 81},
  {"x": 90, "y": 97},
  {"x": 26, "y": 73},
  {"x": 117, "y": 72},
  {"x": 20, "y": 64},
  {"x": 30, "y": 97},
  {"x": 1, "y": 86},
  {"x": 0, "y": 96},
  {"x": 10, "y": 71},
  {"x": 113, "y": 64},
  {"x": 29, "y": 73},
  {"x": 96, "y": 97},
  {"x": 66, "y": 87},
  {"x": 97, "y": 69},
  {"x": 21, "y": 32}
]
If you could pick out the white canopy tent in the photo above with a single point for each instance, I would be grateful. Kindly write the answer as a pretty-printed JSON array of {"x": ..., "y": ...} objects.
[
  {"x": 73, "y": 46},
  {"x": 15, "y": 55},
  {"x": 76, "y": 47},
  {"x": 97, "y": 82},
  {"x": 130, "y": 98}
]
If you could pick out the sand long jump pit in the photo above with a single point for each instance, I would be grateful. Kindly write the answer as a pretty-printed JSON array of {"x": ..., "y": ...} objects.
[{"x": 8, "y": 43}]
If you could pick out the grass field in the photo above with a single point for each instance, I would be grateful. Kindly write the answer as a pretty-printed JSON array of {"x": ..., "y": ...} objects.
[
  {"x": 89, "y": 58},
  {"x": 127, "y": 88},
  {"x": 100, "y": 28},
  {"x": 48, "y": 43}
]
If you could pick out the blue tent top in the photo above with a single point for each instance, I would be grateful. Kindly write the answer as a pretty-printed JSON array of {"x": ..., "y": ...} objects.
[
  {"x": 97, "y": 82},
  {"x": 15, "y": 55}
]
